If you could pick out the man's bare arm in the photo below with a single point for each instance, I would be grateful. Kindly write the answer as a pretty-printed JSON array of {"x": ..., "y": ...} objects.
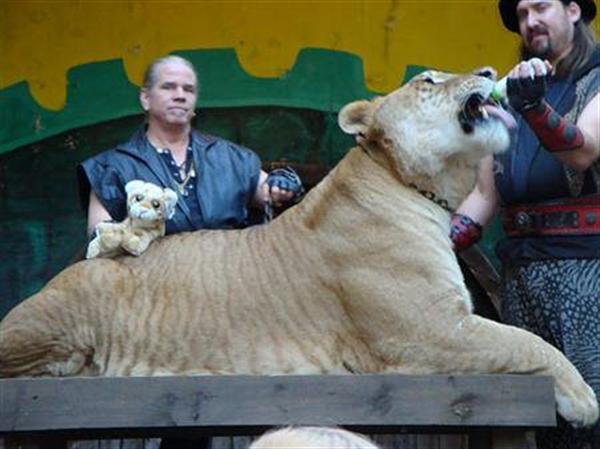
[{"x": 96, "y": 213}]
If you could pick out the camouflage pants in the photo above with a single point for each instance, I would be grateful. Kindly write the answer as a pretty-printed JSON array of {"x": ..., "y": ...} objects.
[{"x": 559, "y": 300}]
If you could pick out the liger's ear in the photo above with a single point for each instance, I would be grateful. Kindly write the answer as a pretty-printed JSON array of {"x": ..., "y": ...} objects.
[{"x": 356, "y": 117}]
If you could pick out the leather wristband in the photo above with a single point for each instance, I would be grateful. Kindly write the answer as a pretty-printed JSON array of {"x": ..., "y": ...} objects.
[
  {"x": 554, "y": 132},
  {"x": 464, "y": 231}
]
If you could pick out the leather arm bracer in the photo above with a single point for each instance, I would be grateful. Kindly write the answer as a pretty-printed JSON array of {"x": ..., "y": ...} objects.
[
  {"x": 554, "y": 132},
  {"x": 464, "y": 231}
]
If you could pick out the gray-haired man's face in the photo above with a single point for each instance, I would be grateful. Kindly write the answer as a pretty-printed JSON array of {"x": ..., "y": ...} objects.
[{"x": 172, "y": 98}]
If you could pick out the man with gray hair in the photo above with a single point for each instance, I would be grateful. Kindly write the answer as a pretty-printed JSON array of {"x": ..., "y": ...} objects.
[{"x": 216, "y": 180}]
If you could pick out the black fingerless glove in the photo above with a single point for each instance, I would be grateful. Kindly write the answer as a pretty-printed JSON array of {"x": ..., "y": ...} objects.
[
  {"x": 286, "y": 178},
  {"x": 526, "y": 93}
]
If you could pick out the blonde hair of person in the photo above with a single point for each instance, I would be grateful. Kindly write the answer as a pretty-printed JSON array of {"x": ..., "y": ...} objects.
[{"x": 312, "y": 438}]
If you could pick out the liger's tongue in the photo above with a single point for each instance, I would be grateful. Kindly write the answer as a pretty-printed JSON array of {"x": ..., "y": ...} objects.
[{"x": 506, "y": 118}]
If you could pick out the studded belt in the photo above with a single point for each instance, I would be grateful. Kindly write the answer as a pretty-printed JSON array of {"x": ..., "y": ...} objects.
[{"x": 565, "y": 217}]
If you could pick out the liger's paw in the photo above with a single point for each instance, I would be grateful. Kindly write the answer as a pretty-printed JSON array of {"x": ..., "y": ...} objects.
[{"x": 581, "y": 409}]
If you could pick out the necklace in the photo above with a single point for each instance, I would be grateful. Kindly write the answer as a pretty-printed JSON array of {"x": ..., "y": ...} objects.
[
  {"x": 182, "y": 165},
  {"x": 189, "y": 174},
  {"x": 180, "y": 173}
]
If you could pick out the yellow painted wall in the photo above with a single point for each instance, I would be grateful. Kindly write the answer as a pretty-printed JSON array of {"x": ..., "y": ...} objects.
[{"x": 41, "y": 40}]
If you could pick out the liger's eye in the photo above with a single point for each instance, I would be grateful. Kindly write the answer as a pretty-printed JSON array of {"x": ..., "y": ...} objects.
[
  {"x": 139, "y": 197},
  {"x": 155, "y": 204}
]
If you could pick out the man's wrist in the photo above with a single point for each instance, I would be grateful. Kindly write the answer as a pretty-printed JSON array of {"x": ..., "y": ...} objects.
[
  {"x": 531, "y": 106},
  {"x": 464, "y": 231},
  {"x": 554, "y": 132}
]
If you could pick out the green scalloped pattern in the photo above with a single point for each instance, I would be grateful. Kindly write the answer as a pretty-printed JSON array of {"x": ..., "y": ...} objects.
[{"x": 321, "y": 79}]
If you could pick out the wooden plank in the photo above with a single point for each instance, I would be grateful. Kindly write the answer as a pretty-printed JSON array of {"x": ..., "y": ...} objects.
[
  {"x": 480, "y": 440},
  {"x": 140, "y": 443},
  {"x": 512, "y": 439},
  {"x": 93, "y": 444},
  {"x": 222, "y": 405},
  {"x": 40, "y": 442},
  {"x": 222, "y": 443},
  {"x": 483, "y": 270},
  {"x": 397, "y": 441}
]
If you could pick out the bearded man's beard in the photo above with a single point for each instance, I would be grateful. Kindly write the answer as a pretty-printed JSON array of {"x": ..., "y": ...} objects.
[{"x": 542, "y": 51}]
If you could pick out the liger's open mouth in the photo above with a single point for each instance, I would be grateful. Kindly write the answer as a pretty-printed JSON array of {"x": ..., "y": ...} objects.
[{"x": 479, "y": 109}]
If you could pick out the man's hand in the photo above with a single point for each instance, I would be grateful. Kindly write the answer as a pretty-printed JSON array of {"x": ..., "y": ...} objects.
[
  {"x": 284, "y": 185},
  {"x": 526, "y": 84}
]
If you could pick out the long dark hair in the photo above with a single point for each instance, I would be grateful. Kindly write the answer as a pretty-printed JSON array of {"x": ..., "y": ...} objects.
[{"x": 584, "y": 42}]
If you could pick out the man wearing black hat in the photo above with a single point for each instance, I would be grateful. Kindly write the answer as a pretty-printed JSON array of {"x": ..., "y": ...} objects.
[{"x": 548, "y": 189}]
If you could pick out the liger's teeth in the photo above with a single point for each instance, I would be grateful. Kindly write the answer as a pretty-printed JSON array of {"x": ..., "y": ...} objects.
[{"x": 484, "y": 113}]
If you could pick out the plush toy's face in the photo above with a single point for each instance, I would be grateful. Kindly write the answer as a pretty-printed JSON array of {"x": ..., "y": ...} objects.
[{"x": 148, "y": 202}]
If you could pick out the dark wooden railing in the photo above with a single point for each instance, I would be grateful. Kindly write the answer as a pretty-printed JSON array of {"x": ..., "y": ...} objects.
[{"x": 495, "y": 411}]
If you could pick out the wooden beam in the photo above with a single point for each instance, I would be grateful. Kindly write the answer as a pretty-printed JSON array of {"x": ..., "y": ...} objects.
[
  {"x": 44, "y": 442},
  {"x": 516, "y": 439},
  {"x": 484, "y": 272},
  {"x": 225, "y": 405}
]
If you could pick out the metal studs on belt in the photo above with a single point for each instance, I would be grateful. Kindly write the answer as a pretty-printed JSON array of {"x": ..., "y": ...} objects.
[
  {"x": 522, "y": 221},
  {"x": 573, "y": 218},
  {"x": 590, "y": 218}
]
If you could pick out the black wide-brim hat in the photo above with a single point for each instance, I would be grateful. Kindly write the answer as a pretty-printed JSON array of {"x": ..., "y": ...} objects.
[{"x": 508, "y": 11}]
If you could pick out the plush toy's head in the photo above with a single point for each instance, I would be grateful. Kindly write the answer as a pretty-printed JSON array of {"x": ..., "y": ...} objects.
[
  {"x": 148, "y": 207},
  {"x": 148, "y": 202}
]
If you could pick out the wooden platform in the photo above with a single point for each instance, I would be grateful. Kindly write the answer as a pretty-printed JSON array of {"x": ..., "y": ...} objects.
[{"x": 44, "y": 413}]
